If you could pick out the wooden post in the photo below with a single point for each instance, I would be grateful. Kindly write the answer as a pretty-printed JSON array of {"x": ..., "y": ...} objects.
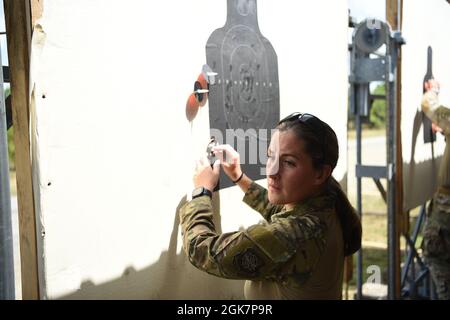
[
  {"x": 393, "y": 13},
  {"x": 18, "y": 15}
]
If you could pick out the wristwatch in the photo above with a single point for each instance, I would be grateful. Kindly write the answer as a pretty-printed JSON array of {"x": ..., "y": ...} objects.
[{"x": 201, "y": 191}]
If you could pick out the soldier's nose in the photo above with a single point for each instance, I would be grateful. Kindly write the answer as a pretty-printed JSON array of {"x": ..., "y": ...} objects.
[{"x": 272, "y": 168}]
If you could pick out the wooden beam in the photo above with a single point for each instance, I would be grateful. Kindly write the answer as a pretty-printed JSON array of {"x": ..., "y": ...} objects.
[
  {"x": 394, "y": 16},
  {"x": 18, "y": 30}
]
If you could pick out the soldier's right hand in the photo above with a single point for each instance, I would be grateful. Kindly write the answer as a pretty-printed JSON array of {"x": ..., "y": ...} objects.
[
  {"x": 230, "y": 160},
  {"x": 432, "y": 85}
]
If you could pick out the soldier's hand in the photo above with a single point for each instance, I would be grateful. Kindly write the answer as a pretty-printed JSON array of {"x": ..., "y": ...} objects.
[
  {"x": 432, "y": 85},
  {"x": 436, "y": 128},
  {"x": 230, "y": 160},
  {"x": 204, "y": 175}
]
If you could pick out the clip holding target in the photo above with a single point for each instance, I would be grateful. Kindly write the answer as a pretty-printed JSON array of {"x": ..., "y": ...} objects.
[{"x": 201, "y": 89}]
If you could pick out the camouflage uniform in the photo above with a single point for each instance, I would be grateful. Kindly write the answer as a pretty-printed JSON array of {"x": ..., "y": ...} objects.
[
  {"x": 436, "y": 242},
  {"x": 296, "y": 254}
]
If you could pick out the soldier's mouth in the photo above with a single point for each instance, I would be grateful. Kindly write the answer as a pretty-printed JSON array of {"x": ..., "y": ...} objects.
[{"x": 274, "y": 188}]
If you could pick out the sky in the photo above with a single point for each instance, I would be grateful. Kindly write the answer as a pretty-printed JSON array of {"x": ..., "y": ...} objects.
[{"x": 361, "y": 9}]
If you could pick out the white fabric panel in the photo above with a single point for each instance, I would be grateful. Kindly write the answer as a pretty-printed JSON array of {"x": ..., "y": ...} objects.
[
  {"x": 113, "y": 153},
  {"x": 425, "y": 23}
]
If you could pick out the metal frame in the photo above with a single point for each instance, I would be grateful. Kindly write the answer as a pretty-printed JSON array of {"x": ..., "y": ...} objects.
[
  {"x": 416, "y": 284},
  {"x": 365, "y": 69}
]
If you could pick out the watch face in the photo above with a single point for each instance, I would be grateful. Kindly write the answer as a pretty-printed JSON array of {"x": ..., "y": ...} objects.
[{"x": 197, "y": 191}]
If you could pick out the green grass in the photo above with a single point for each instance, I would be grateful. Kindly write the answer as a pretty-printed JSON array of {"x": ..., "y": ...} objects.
[
  {"x": 374, "y": 229},
  {"x": 11, "y": 149},
  {"x": 12, "y": 183},
  {"x": 372, "y": 203},
  {"x": 366, "y": 133}
]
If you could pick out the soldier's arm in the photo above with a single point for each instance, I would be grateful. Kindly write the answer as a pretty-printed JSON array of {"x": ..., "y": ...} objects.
[
  {"x": 438, "y": 114},
  {"x": 256, "y": 198},
  {"x": 256, "y": 253}
]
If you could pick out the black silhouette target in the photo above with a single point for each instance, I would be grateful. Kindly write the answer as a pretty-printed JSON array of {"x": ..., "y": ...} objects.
[{"x": 246, "y": 93}]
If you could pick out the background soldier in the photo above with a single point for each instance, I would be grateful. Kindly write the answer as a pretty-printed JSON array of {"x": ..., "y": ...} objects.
[{"x": 436, "y": 243}]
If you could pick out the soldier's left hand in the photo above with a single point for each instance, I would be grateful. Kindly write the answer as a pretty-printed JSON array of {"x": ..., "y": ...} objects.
[{"x": 204, "y": 175}]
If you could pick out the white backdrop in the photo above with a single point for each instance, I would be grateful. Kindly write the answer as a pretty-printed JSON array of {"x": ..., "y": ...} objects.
[
  {"x": 113, "y": 152},
  {"x": 425, "y": 23}
]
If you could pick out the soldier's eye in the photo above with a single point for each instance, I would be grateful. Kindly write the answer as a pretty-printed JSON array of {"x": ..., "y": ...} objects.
[{"x": 289, "y": 163}]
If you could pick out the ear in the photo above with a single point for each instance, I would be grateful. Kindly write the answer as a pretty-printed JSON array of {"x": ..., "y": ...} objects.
[{"x": 322, "y": 174}]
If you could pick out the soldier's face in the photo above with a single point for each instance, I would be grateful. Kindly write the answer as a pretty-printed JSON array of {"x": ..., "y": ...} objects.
[{"x": 291, "y": 175}]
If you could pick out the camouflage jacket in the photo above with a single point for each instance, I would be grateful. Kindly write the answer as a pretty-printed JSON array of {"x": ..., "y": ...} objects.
[{"x": 286, "y": 249}]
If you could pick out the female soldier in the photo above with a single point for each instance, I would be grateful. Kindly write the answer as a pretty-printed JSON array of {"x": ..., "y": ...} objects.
[{"x": 311, "y": 226}]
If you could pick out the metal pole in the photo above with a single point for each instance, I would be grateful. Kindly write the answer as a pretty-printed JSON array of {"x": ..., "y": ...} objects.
[
  {"x": 7, "y": 290},
  {"x": 391, "y": 152},
  {"x": 356, "y": 105},
  {"x": 361, "y": 92},
  {"x": 359, "y": 266}
]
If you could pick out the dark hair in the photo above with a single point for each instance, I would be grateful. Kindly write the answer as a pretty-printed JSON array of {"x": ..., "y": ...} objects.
[{"x": 320, "y": 142}]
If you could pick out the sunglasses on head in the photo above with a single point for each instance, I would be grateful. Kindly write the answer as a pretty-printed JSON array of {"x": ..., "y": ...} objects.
[
  {"x": 311, "y": 121},
  {"x": 308, "y": 119}
]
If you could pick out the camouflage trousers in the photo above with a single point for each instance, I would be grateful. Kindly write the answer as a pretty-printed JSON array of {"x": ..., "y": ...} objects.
[{"x": 436, "y": 242}]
